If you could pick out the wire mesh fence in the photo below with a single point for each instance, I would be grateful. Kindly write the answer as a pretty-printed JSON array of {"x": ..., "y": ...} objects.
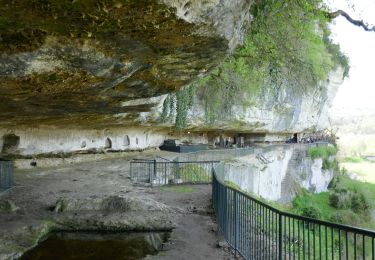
[
  {"x": 192, "y": 167},
  {"x": 171, "y": 172},
  {"x": 6, "y": 174}
]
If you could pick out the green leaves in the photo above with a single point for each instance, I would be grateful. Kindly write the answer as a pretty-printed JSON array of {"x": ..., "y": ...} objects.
[
  {"x": 176, "y": 107},
  {"x": 287, "y": 43}
]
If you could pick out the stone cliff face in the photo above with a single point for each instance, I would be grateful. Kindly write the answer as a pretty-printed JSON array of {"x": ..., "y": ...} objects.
[
  {"x": 278, "y": 173},
  {"x": 74, "y": 75},
  {"x": 284, "y": 110}
]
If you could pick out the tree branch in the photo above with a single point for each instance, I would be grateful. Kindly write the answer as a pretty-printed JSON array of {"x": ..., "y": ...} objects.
[{"x": 359, "y": 23}]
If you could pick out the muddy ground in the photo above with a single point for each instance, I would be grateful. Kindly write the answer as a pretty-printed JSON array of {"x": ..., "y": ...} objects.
[{"x": 31, "y": 202}]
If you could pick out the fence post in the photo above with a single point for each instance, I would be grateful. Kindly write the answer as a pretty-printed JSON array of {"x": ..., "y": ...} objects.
[
  {"x": 152, "y": 173},
  {"x": 131, "y": 171},
  {"x": 235, "y": 222},
  {"x": 165, "y": 172},
  {"x": 280, "y": 237}
]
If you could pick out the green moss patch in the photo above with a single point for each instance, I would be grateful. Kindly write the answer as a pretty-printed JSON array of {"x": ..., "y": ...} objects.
[{"x": 178, "y": 189}]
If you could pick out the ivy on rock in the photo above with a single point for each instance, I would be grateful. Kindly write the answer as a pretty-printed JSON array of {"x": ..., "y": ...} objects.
[
  {"x": 287, "y": 44},
  {"x": 176, "y": 107}
]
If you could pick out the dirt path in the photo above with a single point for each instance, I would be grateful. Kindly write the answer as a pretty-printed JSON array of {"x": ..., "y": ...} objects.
[
  {"x": 37, "y": 190},
  {"x": 195, "y": 236}
]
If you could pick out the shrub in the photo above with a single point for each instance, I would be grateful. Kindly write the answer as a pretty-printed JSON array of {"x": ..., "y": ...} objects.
[
  {"x": 311, "y": 212},
  {"x": 344, "y": 199},
  {"x": 345, "y": 217},
  {"x": 359, "y": 202},
  {"x": 344, "y": 171},
  {"x": 323, "y": 152},
  {"x": 328, "y": 164},
  {"x": 335, "y": 182},
  {"x": 340, "y": 199}
]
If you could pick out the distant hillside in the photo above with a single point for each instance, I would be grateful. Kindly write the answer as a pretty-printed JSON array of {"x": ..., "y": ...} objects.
[
  {"x": 354, "y": 121},
  {"x": 356, "y": 131}
]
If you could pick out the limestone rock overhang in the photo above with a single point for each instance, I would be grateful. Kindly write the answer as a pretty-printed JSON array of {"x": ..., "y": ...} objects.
[{"x": 76, "y": 62}]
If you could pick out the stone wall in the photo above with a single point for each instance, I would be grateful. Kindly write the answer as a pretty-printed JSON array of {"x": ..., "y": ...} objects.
[{"x": 33, "y": 141}]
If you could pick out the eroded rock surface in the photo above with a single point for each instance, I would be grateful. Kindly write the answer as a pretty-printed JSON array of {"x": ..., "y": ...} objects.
[
  {"x": 278, "y": 173},
  {"x": 76, "y": 63},
  {"x": 287, "y": 109}
]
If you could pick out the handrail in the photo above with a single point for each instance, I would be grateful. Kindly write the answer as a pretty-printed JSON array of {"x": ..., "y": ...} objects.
[
  {"x": 256, "y": 230},
  {"x": 288, "y": 214}
]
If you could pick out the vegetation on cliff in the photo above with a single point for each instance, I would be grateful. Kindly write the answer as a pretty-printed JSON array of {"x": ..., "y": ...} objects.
[
  {"x": 347, "y": 201},
  {"x": 176, "y": 107},
  {"x": 325, "y": 152},
  {"x": 288, "y": 43}
]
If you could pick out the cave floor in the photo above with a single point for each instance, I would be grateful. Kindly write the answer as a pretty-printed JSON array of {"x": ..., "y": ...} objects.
[{"x": 36, "y": 191}]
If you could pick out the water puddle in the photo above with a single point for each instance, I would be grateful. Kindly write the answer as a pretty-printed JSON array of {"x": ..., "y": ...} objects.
[{"x": 81, "y": 246}]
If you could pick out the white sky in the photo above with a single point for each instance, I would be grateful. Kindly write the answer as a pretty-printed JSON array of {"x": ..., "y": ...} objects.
[{"x": 358, "y": 91}]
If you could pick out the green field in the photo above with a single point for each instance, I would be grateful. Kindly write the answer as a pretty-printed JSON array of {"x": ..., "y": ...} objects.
[
  {"x": 365, "y": 170},
  {"x": 356, "y": 145}
]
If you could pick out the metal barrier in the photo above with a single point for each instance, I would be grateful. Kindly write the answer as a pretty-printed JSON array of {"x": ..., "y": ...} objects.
[
  {"x": 6, "y": 174},
  {"x": 171, "y": 172},
  {"x": 163, "y": 171},
  {"x": 256, "y": 230},
  {"x": 252, "y": 228}
]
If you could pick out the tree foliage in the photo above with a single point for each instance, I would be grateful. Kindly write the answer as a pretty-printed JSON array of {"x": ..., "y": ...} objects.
[{"x": 287, "y": 43}]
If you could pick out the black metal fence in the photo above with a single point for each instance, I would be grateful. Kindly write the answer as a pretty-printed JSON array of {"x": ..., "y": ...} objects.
[
  {"x": 257, "y": 231},
  {"x": 156, "y": 172},
  {"x": 6, "y": 174}
]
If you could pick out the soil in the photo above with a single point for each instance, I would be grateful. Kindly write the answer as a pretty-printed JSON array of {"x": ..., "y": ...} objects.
[{"x": 37, "y": 190}]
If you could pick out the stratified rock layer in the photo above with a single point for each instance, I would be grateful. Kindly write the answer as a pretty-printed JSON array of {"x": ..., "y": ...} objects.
[
  {"x": 89, "y": 75},
  {"x": 76, "y": 62}
]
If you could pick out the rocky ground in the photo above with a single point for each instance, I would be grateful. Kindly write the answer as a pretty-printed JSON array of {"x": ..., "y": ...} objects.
[{"x": 99, "y": 196}]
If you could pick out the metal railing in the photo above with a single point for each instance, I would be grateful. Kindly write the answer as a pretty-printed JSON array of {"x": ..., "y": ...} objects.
[
  {"x": 171, "y": 172},
  {"x": 6, "y": 174},
  {"x": 186, "y": 168},
  {"x": 256, "y": 230},
  {"x": 156, "y": 171}
]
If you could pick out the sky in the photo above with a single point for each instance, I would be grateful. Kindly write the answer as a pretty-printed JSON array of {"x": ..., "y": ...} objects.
[{"x": 357, "y": 94}]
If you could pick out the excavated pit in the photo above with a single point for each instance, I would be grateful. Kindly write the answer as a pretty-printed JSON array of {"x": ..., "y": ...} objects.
[{"x": 98, "y": 246}]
